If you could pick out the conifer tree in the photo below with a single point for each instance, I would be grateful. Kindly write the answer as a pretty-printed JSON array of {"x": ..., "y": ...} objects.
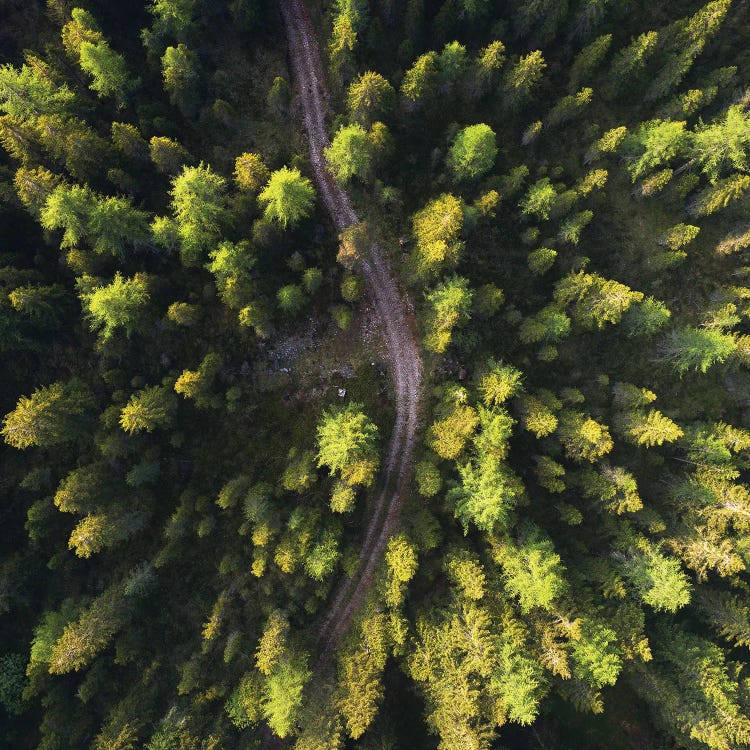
[
  {"x": 437, "y": 228},
  {"x": 473, "y": 152},
  {"x": 288, "y": 197},
  {"x": 119, "y": 305},
  {"x": 198, "y": 206},
  {"x": 52, "y": 415}
]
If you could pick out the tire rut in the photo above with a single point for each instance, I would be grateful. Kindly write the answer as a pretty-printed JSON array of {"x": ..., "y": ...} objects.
[{"x": 398, "y": 331}]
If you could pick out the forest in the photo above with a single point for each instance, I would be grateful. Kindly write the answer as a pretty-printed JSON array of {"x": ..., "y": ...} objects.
[{"x": 375, "y": 374}]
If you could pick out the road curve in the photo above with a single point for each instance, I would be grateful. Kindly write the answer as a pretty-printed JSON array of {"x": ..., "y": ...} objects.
[{"x": 398, "y": 330}]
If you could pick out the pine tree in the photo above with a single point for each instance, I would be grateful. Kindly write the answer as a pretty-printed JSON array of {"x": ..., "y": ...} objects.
[
  {"x": 473, "y": 152},
  {"x": 288, "y": 197},
  {"x": 539, "y": 200},
  {"x": 26, "y": 95},
  {"x": 486, "y": 496},
  {"x": 148, "y": 409},
  {"x": 350, "y": 153},
  {"x": 588, "y": 60},
  {"x": 347, "y": 444},
  {"x": 171, "y": 18},
  {"x": 719, "y": 195},
  {"x": 181, "y": 72},
  {"x": 658, "y": 578},
  {"x": 119, "y": 305},
  {"x": 532, "y": 571},
  {"x": 250, "y": 172},
  {"x": 52, "y": 415},
  {"x": 168, "y": 156},
  {"x": 437, "y": 229},
  {"x": 488, "y": 63},
  {"x": 82, "y": 640},
  {"x": 696, "y": 349},
  {"x": 272, "y": 644},
  {"x": 523, "y": 78},
  {"x": 654, "y": 144},
  {"x": 583, "y": 438},
  {"x": 652, "y": 428},
  {"x": 421, "y": 80},
  {"x": 81, "y": 28},
  {"x": 369, "y": 98},
  {"x": 722, "y": 145},
  {"x": 109, "y": 75},
  {"x": 595, "y": 301},
  {"x": 196, "y": 384},
  {"x": 447, "y": 306},
  {"x": 729, "y": 615},
  {"x": 283, "y": 692},
  {"x": 199, "y": 208},
  {"x": 500, "y": 383}
]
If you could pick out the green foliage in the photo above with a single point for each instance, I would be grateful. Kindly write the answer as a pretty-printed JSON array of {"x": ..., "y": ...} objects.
[
  {"x": 719, "y": 195},
  {"x": 679, "y": 235},
  {"x": 653, "y": 144},
  {"x": 369, "y": 98},
  {"x": 282, "y": 693},
  {"x": 696, "y": 349},
  {"x": 243, "y": 705},
  {"x": 109, "y": 76},
  {"x": 250, "y": 172},
  {"x": 447, "y": 436},
  {"x": 486, "y": 495},
  {"x": 539, "y": 200},
  {"x": 721, "y": 146},
  {"x": 198, "y": 206},
  {"x": 180, "y": 70},
  {"x": 448, "y": 305},
  {"x": 596, "y": 658},
  {"x": 350, "y": 153},
  {"x": 692, "y": 691},
  {"x": 532, "y": 572},
  {"x": 500, "y": 383},
  {"x": 437, "y": 228},
  {"x": 427, "y": 477},
  {"x": 583, "y": 438},
  {"x": 347, "y": 444},
  {"x": 420, "y": 81},
  {"x": 542, "y": 535},
  {"x": 110, "y": 225},
  {"x": 12, "y": 681},
  {"x": 569, "y": 107},
  {"x": 196, "y": 384},
  {"x": 631, "y": 59},
  {"x": 147, "y": 410},
  {"x": 646, "y": 317},
  {"x": 50, "y": 416},
  {"x": 659, "y": 580},
  {"x": 168, "y": 156},
  {"x": 541, "y": 260},
  {"x": 521, "y": 79},
  {"x": 288, "y": 197},
  {"x": 88, "y": 635},
  {"x": 171, "y": 17},
  {"x": 116, "y": 305},
  {"x": 26, "y": 93},
  {"x": 291, "y": 299},
  {"x": 653, "y": 429},
  {"x": 594, "y": 300},
  {"x": 588, "y": 60},
  {"x": 472, "y": 152}
]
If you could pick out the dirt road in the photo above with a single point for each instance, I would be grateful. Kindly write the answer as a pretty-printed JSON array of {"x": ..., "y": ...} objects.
[{"x": 398, "y": 330}]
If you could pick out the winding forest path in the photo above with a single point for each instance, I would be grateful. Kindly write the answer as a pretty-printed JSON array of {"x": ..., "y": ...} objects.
[{"x": 398, "y": 330}]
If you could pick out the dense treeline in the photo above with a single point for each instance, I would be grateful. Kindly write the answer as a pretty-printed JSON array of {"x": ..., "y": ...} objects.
[{"x": 196, "y": 404}]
